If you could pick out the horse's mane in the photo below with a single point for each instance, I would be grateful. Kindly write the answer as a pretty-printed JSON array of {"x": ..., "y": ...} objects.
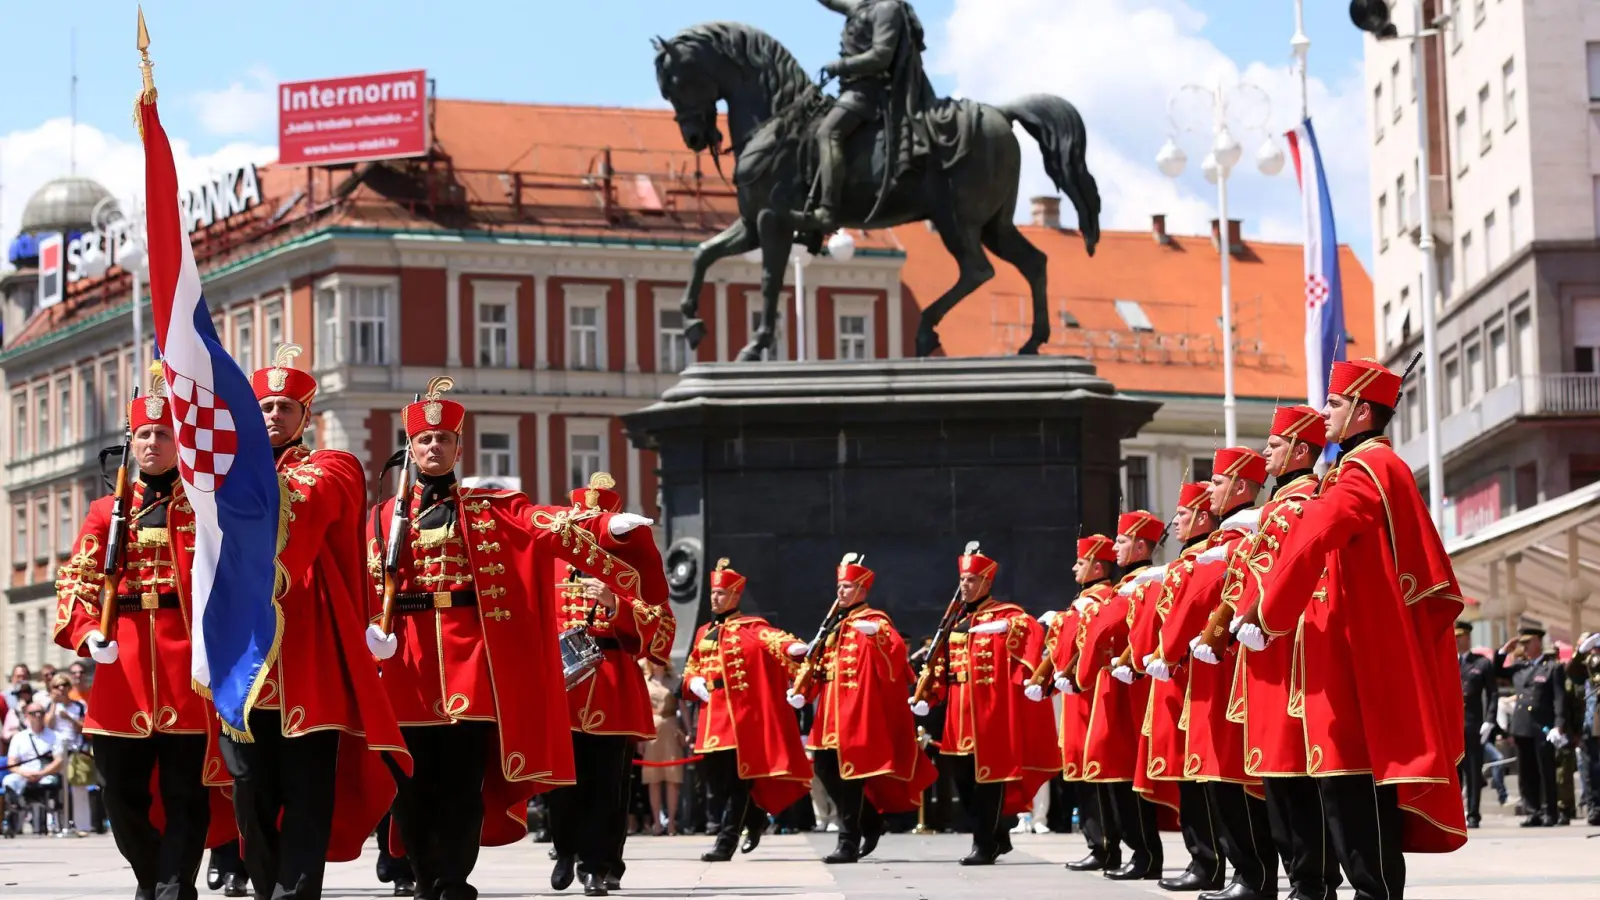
[{"x": 781, "y": 75}]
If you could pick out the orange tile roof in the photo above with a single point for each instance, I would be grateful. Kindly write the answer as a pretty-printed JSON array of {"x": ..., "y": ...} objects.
[{"x": 1179, "y": 288}]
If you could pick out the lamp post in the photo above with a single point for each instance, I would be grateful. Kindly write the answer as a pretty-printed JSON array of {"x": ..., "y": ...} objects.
[
  {"x": 1224, "y": 154},
  {"x": 1372, "y": 16}
]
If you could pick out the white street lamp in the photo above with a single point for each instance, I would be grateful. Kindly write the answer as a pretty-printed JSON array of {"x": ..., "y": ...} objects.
[{"x": 1224, "y": 154}]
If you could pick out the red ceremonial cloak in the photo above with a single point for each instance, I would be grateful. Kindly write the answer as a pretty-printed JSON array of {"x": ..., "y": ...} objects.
[
  {"x": 747, "y": 670},
  {"x": 1144, "y": 590},
  {"x": 1163, "y": 736},
  {"x": 1375, "y": 656},
  {"x": 1111, "y": 742},
  {"x": 1063, "y": 640},
  {"x": 862, "y": 713}
]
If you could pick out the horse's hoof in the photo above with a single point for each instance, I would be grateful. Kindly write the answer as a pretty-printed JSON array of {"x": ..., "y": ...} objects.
[
  {"x": 694, "y": 331},
  {"x": 1031, "y": 348},
  {"x": 749, "y": 355},
  {"x": 927, "y": 342}
]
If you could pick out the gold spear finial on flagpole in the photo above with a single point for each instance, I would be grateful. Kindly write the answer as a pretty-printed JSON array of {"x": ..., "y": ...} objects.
[{"x": 145, "y": 65}]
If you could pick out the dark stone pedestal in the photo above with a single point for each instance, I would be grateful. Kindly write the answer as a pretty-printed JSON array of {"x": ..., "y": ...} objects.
[{"x": 784, "y": 467}]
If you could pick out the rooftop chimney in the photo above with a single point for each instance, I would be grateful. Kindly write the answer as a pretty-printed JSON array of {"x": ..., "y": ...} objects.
[
  {"x": 1158, "y": 229},
  {"x": 1235, "y": 242},
  {"x": 1047, "y": 211}
]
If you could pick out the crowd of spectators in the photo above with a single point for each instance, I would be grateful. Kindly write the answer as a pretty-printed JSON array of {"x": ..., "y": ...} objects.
[{"x": 49, "y": 779}]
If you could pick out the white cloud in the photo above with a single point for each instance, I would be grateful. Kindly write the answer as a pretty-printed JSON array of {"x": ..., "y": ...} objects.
[
  {"x": 240, "y": 108},
  {"x": 1118, "y": 62},
  {"x": 31, "y": 157}
]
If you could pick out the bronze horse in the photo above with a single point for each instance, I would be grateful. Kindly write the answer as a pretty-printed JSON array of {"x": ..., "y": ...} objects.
[{"x": 773, "y": 107}]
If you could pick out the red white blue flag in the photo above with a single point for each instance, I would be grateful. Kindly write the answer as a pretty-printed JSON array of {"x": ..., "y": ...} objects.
[
  {"x": 224, "y": 458},
  {"x": 1325, "y": 342}
]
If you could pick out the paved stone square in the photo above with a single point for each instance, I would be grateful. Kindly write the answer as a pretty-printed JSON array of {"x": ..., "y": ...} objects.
[{"x": 1501, "y": 861}]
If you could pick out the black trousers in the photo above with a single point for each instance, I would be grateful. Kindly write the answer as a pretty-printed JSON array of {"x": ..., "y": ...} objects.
[
  {"x": 1198, "y": 822},
  {"x": 1536, "y": 773},
  {"x": 283, "y": 802},
  {"x": 1471, "y": 771},
  {"x": 1136, "y": 820},
  {"x": 1097, "y": 815},
  {"x": 984, "y": 803},
  {"x": 738, "y": 811},
  {"x": 857, "y": 817},
  {"x": 388, "y": 864},
  {"x": 1364, "y": 822},
  {"x": 165, "y": 863},
  {"x": 589, "y": 819},
  {"x": 440, "y": 806},
  {"x": 1246, "y": 835},
  {"x": 226, "y": 859},
  {"x": 1300, "y": 831}
]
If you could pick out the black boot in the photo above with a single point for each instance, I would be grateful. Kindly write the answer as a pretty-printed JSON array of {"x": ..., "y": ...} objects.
[
  {"x": 848, "y": 851},
  {"x": 1191, "y": 880},
  {"x": 981, "y": 856},
  {"x": 752, "y": 839},
  {"x": 1094, "y": 863},
  {"x": 722, "y": 851},
  {"x": 869, "y": 839},
  {"x": 234, "y": 884},
  {"x": 594, "y": 884},
  {"x": 1136, "y": 870},
  {"x": 213, "y": 874},
  {"x": 561, "y": 876},
  {"x": 1238, "y": 891},
  {"x": 404, "y": 885}
]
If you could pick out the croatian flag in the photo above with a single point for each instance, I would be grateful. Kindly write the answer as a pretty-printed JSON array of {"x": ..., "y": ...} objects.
[
  {"x": 224, "y": 459},
  {"x": 1324, "y": 290}
]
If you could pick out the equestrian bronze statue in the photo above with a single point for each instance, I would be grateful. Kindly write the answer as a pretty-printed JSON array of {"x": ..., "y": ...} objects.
[{"x": 885, "y": 152}]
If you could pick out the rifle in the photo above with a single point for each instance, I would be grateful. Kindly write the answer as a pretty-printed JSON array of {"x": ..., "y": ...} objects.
[
  {"x": 117, "y": 537},
  {"x": 399, "y": 525},
  {"x": 941, "y": 639},
  {"x": 808, "y": 668}
]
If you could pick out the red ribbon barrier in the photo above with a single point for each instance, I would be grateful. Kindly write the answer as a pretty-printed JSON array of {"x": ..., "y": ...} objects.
[{"x": 650, "y": 764}]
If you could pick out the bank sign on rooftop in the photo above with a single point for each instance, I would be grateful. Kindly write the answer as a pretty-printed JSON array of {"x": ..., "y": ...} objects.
[{"x": 355, "y": 119}]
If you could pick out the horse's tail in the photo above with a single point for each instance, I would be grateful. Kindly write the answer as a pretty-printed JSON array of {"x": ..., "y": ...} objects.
[{"x": 1057, "y": 127}]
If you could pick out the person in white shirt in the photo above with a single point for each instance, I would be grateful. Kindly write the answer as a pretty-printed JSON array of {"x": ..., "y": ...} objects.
[
  {"x": 34, "y": 756},
  {"x": 64, "y": 716}
]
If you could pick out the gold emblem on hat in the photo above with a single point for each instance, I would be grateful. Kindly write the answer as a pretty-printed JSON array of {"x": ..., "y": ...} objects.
[
  {"x": 433, "y": 410},
  {"x": 278, "y": 375},
  {"x": 599, "y": 481},
  {"x": 722, "y": 564},
  {"x": 155, "y": 402}
]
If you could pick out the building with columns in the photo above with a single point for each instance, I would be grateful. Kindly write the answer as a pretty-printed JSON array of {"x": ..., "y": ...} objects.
[{"x": 538, "y": 258}]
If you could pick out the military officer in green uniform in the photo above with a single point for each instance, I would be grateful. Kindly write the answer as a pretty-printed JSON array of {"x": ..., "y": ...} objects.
[{"x": 1538, "y": 723}]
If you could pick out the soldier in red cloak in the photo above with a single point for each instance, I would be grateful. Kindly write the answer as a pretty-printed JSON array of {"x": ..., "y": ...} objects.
[
  {"x": 310, "y": 780},
  {"x": 1375, "y": 653},
  {"x": 149, "y": 725},
  {"x": 1002, "y": 745},
  {"x": 863, "y": 739},
  {"x": 739, "y": 668},
  {"x": 1064, "y": 640},
  {"x": 1214, "y": 743},
  {"x": 1159, "y": 768},
  {"x": 1274, "y": 740},
  {"x": 1111, "y": 747},
  {"x": 607, "y": 713},
  {"x": 473, "y": 659}
]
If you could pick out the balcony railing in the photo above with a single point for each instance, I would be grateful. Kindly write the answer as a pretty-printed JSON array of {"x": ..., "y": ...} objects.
[{"x": 1561, "y": 394}]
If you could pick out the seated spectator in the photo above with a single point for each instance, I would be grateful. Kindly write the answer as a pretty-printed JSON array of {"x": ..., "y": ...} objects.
[
  {"x": 33, "y": 758},
  {"x": 15, "y": 721},
  {"x": 64, "y": 716}
]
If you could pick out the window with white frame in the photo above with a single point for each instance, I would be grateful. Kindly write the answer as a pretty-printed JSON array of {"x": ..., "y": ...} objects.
[
  {"x": 1487, "y": 138},
  {"x": 1586, "y": 335},
  {"x": 1593, "y": 51},
  {"x": 584, "y": 326},
  {"x": 1400, "y": 205},
  {"x": 1394, "y": 91},
  {"x": 244, "y": 339},
  {"x": 1475, "y": 376},
  {"x": 41, "y": 527},
  {"x": 1489, "y": 230},
  {"x": 585, "y": 450},
  {"x": 19, "y": 425},
  {"x": 41, "y": 422},
  {"x": 853, "y": 337},
  {"x": 1508, "y": 91},
  {"x": 271, "y": 327},
  {"x": 89, "y": 405},
  {"x": 19, "y": 534},
  {"x": 354, "y": 323},
  {"x": 64, "y": 414},
  {"x": 1479, "y": 11},
  {"x": 1377, "y": 112},
  {"x": 495, "y": 455},
  {"x": 1383, "y": 222},
  {"x": 672, "y": 349},
  {"x": 1456, "y": 31},
  {"x": 1499, "y": 354},
  {"x": 1386, "y": 326},
  {"x": 1461, "y": 140},
  {"x": 496, "y": 308},
  {"x": 1136, "y": 478},
  {"x": 1522, "y": 335},
  {"x": 1452, "y": 386},
  {"x": 111, "y": 392},
  {"x": 1466, "y": 259},
  {"x": 66, "y": 525}
]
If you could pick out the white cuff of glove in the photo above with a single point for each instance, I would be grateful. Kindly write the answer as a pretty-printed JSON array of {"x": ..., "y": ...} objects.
[
  {"x": 380, "y": 645},
  {"x": 1123, "y": 674},
  {"x": 697, "y": 687},
  {"x": 622, "y": 523},
  {"x": 998, "y": 627},
  {"x": 1158, "y": 670},
  {"x": 797, "y": 649},
  {"x": 1034, "y": 692},
  {"x": 866, "y": 627},
  {"x": 1253, "y": 637},
  {"x": 796, "y": 700},
  {"x": 918, "y": 708},
  {"x": 100, "y": 650}
]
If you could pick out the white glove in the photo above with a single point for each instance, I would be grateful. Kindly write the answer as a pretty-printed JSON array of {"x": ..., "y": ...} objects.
[
  {"x": 1034, "y": 692},
  {"x": 1233, "y": 627},
  {"x": 1065, "y": 686},
  {"x": 1203, "y": 652},
  {"x": 101, "y": 650},
  {"x": 622, "y": 523},
  {"x": 1557, "y": 738},
  {"x": 697, "y": 687},
  {"x": 796, "y": 700},
  {"x": 1484, "y": 732},
  {"x": 1589, "y": 643},
  {"x": 1047, "y": 618},
  {"x": 381, "y": 645},
  {"x": 865, "y": 626},
  {"x": 1123, "y": 674},
  {"x": 1158, "y": 669},
  {"x": 1253, "y": 637},
  {"x": 798, "y": 649},
  {"x": 918, "y": 708},
  {"x": 999, "y": 626}
]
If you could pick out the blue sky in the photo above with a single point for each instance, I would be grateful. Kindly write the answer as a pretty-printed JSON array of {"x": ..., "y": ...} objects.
[{"x": 1117, "y": 59}]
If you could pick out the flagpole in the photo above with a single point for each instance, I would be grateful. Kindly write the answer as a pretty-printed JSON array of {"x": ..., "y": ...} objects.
[
  {"x": 1425, "y": 246},
  {"x": 1301, "y": 45}
]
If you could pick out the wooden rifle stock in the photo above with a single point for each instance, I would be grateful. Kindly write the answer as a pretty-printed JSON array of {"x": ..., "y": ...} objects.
[
  {"x": 399, "y": 524},
  {"x": 116, "y": 538},
  {"x": 808, "y": 668},
  {"x": 939, "y": 650}
]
